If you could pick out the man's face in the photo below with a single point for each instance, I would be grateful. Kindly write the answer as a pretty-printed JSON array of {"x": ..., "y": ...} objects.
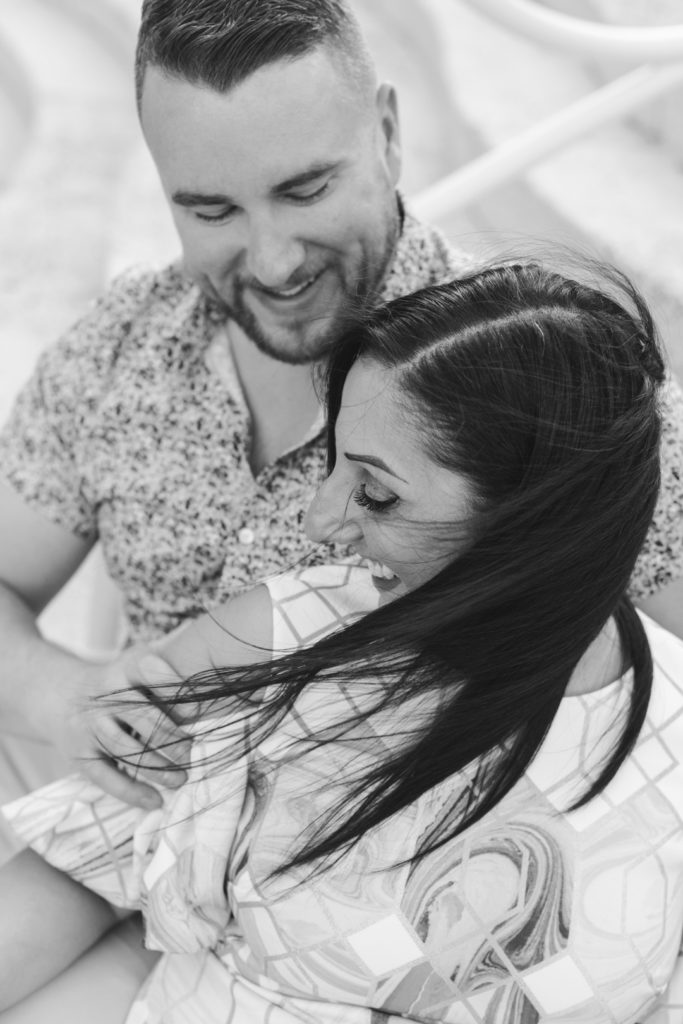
[{"x": 283, "y": 194}]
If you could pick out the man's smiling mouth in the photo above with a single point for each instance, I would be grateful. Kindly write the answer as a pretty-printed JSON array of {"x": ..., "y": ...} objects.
[{"x": 287, "y": 293}]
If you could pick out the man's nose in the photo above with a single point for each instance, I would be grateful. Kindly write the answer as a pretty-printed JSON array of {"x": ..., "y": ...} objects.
[
  {"x": 273, "y": 254},
  {"x": 330, "y": 517}
]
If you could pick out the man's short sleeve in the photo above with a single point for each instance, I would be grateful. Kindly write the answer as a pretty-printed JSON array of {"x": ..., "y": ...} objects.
[
  {"x": 661, "y": 560},
  {"x": 43, "y": 445}
]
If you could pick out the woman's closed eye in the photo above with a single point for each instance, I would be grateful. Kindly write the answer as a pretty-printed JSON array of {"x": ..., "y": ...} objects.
[{"x": 370, "y": 498}]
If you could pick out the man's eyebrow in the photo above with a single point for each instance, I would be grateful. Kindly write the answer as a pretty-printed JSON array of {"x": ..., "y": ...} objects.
[
  {"x": 312, "y": 174},
  {"x": 184, "y": 197},
  {"x": 372, "y": 460}
]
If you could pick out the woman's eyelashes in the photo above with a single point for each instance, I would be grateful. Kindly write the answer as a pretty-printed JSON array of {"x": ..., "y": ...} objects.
[{"x": 370, "y": 502}]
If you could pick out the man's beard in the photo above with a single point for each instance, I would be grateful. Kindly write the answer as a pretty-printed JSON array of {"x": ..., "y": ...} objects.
[
  {"x": 314, "y": 347},
  {"x": 291, "y": 344}
]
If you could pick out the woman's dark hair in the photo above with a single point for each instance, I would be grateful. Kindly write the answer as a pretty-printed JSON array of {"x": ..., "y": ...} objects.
[{"x": 543, "y": 392}]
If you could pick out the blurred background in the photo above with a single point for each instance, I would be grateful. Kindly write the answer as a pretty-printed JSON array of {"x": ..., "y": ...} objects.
[{"x": 79, "y": 198}]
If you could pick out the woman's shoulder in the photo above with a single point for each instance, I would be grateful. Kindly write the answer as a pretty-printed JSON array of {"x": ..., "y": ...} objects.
[{"x": 285, "y": 612}]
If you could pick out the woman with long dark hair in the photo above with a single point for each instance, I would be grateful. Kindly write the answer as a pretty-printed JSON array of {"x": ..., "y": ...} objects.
[{"x": 454, "y": 794}]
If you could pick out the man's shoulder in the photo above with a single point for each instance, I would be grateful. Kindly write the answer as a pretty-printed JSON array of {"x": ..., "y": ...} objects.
[
  {"x": 142, "y": 309},
  {"x": 144, "y": 323},
  {"x": 137, "y": 290},
  {"x": 423, "y": 257}
]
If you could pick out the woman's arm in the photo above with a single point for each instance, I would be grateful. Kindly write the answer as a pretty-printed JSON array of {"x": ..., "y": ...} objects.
[
  {"x": 238, "y": 632},
  {"x": 47, "y": 922}
]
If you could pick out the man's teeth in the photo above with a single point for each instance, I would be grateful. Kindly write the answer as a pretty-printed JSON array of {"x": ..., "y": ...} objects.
[
  {"x": 382, "y": 571},
  {"x": 289, "y": 293}
]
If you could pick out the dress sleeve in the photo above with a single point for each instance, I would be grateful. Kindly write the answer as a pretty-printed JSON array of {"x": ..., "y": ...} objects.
[
  {"x": 310, "y": 603},
  {"x": 661, "y": 559},
  {"x": 43, "y": 445},
  {"x": 81, "y": 830}
]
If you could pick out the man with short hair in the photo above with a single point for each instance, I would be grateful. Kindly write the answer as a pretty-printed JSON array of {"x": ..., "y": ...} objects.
[{"x": 178, "y": 422}]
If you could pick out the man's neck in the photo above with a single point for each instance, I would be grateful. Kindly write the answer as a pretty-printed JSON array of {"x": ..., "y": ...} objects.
[{"x": 282, "y": 400}]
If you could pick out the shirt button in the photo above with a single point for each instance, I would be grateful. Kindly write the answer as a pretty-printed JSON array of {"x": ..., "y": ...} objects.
[{"x": 246, "y": 536}]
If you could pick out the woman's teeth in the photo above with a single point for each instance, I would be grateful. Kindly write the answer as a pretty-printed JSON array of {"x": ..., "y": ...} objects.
[{"x": 382, "y": 572}]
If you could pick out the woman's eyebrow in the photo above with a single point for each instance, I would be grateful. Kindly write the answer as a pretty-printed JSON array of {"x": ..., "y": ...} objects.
[{"x": 372, "y": 460}]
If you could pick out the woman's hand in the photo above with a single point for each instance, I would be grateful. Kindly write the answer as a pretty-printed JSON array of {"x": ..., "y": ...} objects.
[
  {"x": 104, "y": 717},
  {"x": 107, "y": 722}
]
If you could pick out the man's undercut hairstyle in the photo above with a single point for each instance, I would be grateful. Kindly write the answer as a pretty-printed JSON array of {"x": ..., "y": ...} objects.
[{"x": 220, "y": 43}]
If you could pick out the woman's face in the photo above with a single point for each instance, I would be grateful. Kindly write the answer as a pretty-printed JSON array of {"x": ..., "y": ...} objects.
[{"x": 385, "y": 497}]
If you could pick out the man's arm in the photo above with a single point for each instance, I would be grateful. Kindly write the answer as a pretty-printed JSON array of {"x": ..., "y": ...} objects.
[
  {"x": 37, "y": 558},
  {"x": 48, "y": 920},
  {"x": 44, "y": 689}
]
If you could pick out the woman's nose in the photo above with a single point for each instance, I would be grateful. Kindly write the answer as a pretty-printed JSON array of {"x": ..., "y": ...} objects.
[{"x": 330, "y": 517}]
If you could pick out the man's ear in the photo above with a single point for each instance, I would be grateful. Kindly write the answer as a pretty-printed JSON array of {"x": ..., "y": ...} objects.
[{"x": 387, "y": 115}]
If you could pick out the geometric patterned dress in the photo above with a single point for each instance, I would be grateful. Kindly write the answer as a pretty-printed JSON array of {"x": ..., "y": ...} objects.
[{"x": 532, "y": 916}]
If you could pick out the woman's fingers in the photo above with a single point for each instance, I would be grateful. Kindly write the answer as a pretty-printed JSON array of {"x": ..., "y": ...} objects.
[
  {"x": 144, "y": 747},
  {"x": 128, "y": 742},
  {"x": 107, "y": 776},
  {"x": 155, "y": 732}
]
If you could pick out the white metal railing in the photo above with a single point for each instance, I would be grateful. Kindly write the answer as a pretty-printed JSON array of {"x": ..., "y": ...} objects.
[
  {"x": 576, "y": 35},
  {"x": 661, "y": 47}
]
